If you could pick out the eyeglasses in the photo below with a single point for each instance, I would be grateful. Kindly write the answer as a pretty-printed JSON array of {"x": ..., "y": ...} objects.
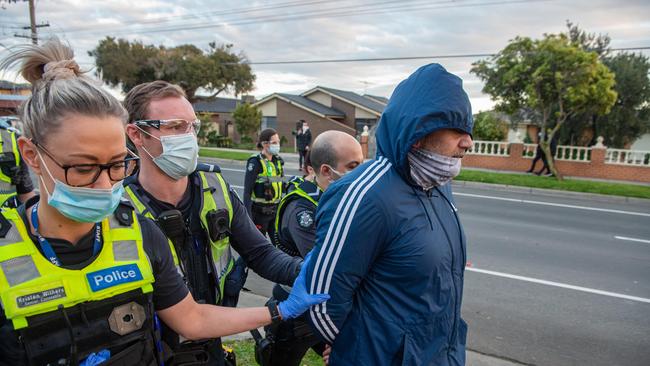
[
  {"x": 80, "y": 175},
  {"x": 171, "y": 126}
]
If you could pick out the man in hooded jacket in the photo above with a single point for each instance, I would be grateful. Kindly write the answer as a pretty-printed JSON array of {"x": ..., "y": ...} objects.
[{"x": 390, "y": 249}]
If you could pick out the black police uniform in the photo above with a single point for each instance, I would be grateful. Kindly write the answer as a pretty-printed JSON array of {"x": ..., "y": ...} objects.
[
  {"x": 168, "y": 288},
  {"x": 296, "y": 235},
  {"x": 254, "y": 248},
  {"x": 262, "y": 213},
  {"x": 19, "y": 174}
]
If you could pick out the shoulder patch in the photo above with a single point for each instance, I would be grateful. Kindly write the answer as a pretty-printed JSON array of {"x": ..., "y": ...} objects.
[
  {"x": 305, "y": 218},
  {"x": 208, "y": 167},
  {"x": 251, "y": 166}
]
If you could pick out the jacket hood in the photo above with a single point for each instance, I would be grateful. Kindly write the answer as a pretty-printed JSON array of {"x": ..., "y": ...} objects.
[{"x": 429, "y": 100}]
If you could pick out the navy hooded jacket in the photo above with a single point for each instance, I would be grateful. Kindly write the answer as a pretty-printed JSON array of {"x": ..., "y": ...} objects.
[{"x": 390, "y": 255}]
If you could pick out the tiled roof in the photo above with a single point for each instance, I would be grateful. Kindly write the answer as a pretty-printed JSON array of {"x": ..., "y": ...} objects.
[
  {"x": 356, "y": 98},
  {"x": 5, "y": 84},
  {"x": 216, "y": 105},
  {"x": 315, "y": 106},
  {"x": 377, "y": 98}
]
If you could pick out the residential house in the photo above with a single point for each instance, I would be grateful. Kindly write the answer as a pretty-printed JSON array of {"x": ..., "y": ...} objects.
[
  {"x": 220, "y": 112},
  {"x": 11, "y": 96},
  {"x": 323, "y": 108}
]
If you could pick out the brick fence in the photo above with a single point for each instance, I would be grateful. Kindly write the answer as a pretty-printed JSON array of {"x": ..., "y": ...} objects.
[
  {"x": 588, "y": 162},
  {"x": 596, "y": 166}
]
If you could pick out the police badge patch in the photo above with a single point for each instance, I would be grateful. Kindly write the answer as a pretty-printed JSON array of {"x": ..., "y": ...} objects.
[
  {"x": 250, "y": 167},
  {"x": 305, "y": 218}
]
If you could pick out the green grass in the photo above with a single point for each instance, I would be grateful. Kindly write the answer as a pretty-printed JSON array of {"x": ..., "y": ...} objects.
[
  {"x": 245, "y": 351},
  {"x": 222, "y": 154},
  {"x": 533, "y": 181}
]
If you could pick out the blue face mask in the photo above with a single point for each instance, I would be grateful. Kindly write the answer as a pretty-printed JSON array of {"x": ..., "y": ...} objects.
[
  {"x": 83, "y": 204},
  {"x": 179, "y": 156}
]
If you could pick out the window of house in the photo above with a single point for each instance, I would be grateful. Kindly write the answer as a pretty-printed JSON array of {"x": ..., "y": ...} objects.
[{"x": 269, "y": 122}]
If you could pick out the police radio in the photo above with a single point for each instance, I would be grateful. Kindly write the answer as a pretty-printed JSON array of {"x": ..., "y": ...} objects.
[{"x": 172, "y": 224}]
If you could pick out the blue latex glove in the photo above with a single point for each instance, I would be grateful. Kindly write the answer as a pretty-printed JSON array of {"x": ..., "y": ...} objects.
[
  {"x": 96, "y": 358},
  {"x": 300, "y": 300}
]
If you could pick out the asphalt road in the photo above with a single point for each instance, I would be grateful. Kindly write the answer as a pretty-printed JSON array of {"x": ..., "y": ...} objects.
[{"x": 551, "y": 280}]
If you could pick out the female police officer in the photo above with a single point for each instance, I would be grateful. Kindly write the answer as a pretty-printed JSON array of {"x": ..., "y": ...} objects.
[
  {"x": 263, "y": 184},
  {"x": 80, "y": 274}
]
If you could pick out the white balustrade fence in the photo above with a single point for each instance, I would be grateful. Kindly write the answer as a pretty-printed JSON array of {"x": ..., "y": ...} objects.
[
  {"x": 627, "y": 157},
  {"x": 529, "y": 150},
  {"x": 573, "y": 153},
  {"x": 564, "y": 153},
  {"x": 491, "y": 148}
]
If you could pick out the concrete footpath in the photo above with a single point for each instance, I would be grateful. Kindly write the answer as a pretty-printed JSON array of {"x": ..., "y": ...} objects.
[{"x": 248, "y": 299}]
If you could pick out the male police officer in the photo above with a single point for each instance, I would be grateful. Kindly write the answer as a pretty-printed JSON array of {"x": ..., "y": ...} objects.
[
  {"x": 197, "y": 210},
  {"x": 333, "y": 154},
  {"x": 15, "y": 184}
]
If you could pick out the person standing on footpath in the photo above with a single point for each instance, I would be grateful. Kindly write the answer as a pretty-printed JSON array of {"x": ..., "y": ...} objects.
[{"x": 303, "y": 142}]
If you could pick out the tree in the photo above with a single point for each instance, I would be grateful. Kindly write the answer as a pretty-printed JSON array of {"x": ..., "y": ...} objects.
[
  {"x": 630, "y": 115},
  {"x": 216, "y": 70},
  {"x": 489, "y": 127},
  {"x": 551, "y": 76},
  {"x": 248, "y": 119}
]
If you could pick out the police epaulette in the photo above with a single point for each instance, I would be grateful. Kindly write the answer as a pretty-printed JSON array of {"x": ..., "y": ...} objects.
[{"x": 206, "y": 167}]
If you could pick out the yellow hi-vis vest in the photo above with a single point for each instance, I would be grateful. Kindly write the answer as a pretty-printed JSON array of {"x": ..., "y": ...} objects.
[
  {"x": 271, "y": 174},
  {"x": 10, "y": 156},
  {"x": 215, "y": 197},
  {"x": 31, "y": 285}
]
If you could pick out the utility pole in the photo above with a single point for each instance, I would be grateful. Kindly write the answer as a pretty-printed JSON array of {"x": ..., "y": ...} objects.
[
  {"x": 32, "y": 21},
  {"x": 32, "y": 24}
]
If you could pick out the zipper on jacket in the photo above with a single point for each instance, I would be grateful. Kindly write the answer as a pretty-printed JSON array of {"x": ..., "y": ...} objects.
[{"x": 460, "y": 237}]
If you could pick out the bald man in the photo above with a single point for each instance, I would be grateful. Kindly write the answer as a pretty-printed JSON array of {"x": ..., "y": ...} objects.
[{"x": 332, "y": 155}]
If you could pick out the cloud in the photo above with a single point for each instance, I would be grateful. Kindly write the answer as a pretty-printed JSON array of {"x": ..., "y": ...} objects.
[{"x": 428, "y": 28}]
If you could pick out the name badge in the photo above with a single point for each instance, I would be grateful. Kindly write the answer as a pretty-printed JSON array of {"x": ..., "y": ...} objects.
[{"x": 113, "y": 276}]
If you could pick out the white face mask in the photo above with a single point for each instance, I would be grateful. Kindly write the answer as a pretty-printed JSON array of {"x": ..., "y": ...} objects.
[
  {"x": 340, "y": 175},
  {"x": 274, "y": 149},
  {"x": 180, "y": 154},
  {"x": 429, "y": 169},
  {"x": 305, "y": 128}
]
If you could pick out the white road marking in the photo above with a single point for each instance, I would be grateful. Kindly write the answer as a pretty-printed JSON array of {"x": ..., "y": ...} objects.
[
  {"x": 632, "y": 239},
  {"x": 558, "y": 284},
  {"x": 237, "y": 187},
  {"x": 553, "y": 204}
]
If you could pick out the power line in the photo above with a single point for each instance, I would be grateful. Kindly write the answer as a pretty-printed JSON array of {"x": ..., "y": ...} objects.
[
  {"x": 284, "y": 5},
  {"x": 307, "y": 14},
  {"x": 327, "y": 13},
  {"x": 402, "y": 58}
]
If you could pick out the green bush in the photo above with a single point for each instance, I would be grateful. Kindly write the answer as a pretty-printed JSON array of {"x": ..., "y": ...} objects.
[
  {"x": 488, "y": 127},
  {"x": 246, "y": 140},
  {"x": 212, "y": 137}
]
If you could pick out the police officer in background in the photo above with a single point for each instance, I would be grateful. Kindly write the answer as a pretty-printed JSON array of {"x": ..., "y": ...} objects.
[
  {"x": 201, "y": 215},
  {"x": 15, "y": 183},
  {"x": 333, "y": 154},
  {"x": 263, "y": 183},
  {"x": 83, "y": 278}
]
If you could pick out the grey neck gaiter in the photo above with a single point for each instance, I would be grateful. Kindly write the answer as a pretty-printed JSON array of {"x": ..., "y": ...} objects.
[{"x": 429, "y": 169}]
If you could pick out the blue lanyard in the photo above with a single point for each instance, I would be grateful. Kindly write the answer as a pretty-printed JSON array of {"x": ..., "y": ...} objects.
[{"x": 47, "y": 247}]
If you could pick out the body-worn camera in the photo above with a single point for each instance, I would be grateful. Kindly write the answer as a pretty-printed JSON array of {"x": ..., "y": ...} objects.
[{"x": 218, "y": 224}]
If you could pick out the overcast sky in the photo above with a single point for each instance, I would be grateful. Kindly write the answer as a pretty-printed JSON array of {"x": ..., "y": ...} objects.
[{"x": 278, "y": 30}]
